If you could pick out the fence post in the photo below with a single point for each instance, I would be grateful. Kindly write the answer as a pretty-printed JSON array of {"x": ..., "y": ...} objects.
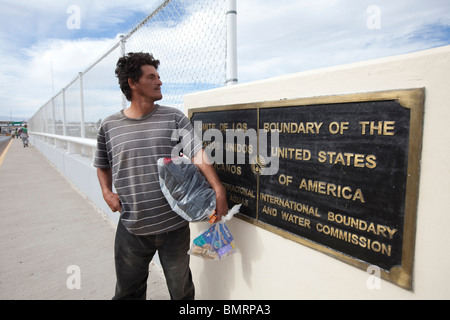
[
  {"x": 53, "y": 116},
  {"x": 64, "y": 112},
  {"x": 122, "y": 53},
  {"x": 231, "y": 76},
  {"x": 122, "y": 45},
  {"x": 83, "y": 133}
]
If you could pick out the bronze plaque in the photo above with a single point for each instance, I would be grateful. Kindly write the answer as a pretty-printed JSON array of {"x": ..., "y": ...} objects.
[{"x": 344, "y": 172}]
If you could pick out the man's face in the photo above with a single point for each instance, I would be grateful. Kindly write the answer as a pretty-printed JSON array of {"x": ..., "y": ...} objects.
[{"x": 149, "y": 85}]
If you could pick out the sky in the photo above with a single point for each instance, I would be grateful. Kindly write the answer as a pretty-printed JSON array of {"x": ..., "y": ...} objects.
[{"x": 44, "y": 46}]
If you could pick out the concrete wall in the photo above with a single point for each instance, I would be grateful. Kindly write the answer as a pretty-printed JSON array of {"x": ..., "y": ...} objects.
[{"x": 272, "y": 267}]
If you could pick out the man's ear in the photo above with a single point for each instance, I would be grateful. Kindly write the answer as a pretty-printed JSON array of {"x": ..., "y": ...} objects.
[{"x": 131, "y": 83}]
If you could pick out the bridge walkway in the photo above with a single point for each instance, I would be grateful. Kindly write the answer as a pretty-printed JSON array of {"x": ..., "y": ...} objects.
[{"x": 52, "y": 237}]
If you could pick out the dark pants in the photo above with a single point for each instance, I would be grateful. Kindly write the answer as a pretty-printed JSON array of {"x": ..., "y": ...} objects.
[{"x": 134, "y": 253}]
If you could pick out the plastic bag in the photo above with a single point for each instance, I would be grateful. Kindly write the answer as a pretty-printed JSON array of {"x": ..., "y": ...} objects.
[
  {"x": 187, "y": 191},
  {"x": 216, "y": 242}
]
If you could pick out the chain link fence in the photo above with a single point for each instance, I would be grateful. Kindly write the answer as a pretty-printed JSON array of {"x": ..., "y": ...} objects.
[{"x": 189, "y": 37}]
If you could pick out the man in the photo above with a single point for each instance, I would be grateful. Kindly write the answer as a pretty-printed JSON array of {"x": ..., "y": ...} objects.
[
  {"x": 129, "y": 144},
  {"x": 24, "y": 136}
]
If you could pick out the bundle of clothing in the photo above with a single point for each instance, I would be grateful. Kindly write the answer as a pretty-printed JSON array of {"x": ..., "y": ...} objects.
[{"x": 186, "y": 189}]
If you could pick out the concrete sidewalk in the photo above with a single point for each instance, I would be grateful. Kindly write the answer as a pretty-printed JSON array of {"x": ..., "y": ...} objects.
[{"x": 47, "y": 226}]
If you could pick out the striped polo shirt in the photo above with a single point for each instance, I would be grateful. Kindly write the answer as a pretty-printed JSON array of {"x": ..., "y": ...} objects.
[{"x": 132, "y": 147}]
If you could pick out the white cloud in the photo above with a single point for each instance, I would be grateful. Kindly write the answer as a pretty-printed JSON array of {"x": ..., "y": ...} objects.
[
  {"x": 28, "y": 81},
  {"x": 288, "y": 36}
]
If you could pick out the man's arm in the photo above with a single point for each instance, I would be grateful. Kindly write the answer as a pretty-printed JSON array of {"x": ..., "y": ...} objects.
[
  {"x": 111, "y": 198},
  {"x": 203, "y": 163}
]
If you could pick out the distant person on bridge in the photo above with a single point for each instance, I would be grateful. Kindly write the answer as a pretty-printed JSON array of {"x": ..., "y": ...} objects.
[
  {"x": 24, "y": 136},
  {"x": 129, "y": 143}
]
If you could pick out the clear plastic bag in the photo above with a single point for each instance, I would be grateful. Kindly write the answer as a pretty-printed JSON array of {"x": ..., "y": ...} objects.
[
  {"x": 187, "y": 191},
  {"x": 216, "y": 242}
]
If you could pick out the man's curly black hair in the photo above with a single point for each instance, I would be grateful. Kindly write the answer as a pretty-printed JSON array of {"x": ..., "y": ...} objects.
[{"x": 129, "y": 66}]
